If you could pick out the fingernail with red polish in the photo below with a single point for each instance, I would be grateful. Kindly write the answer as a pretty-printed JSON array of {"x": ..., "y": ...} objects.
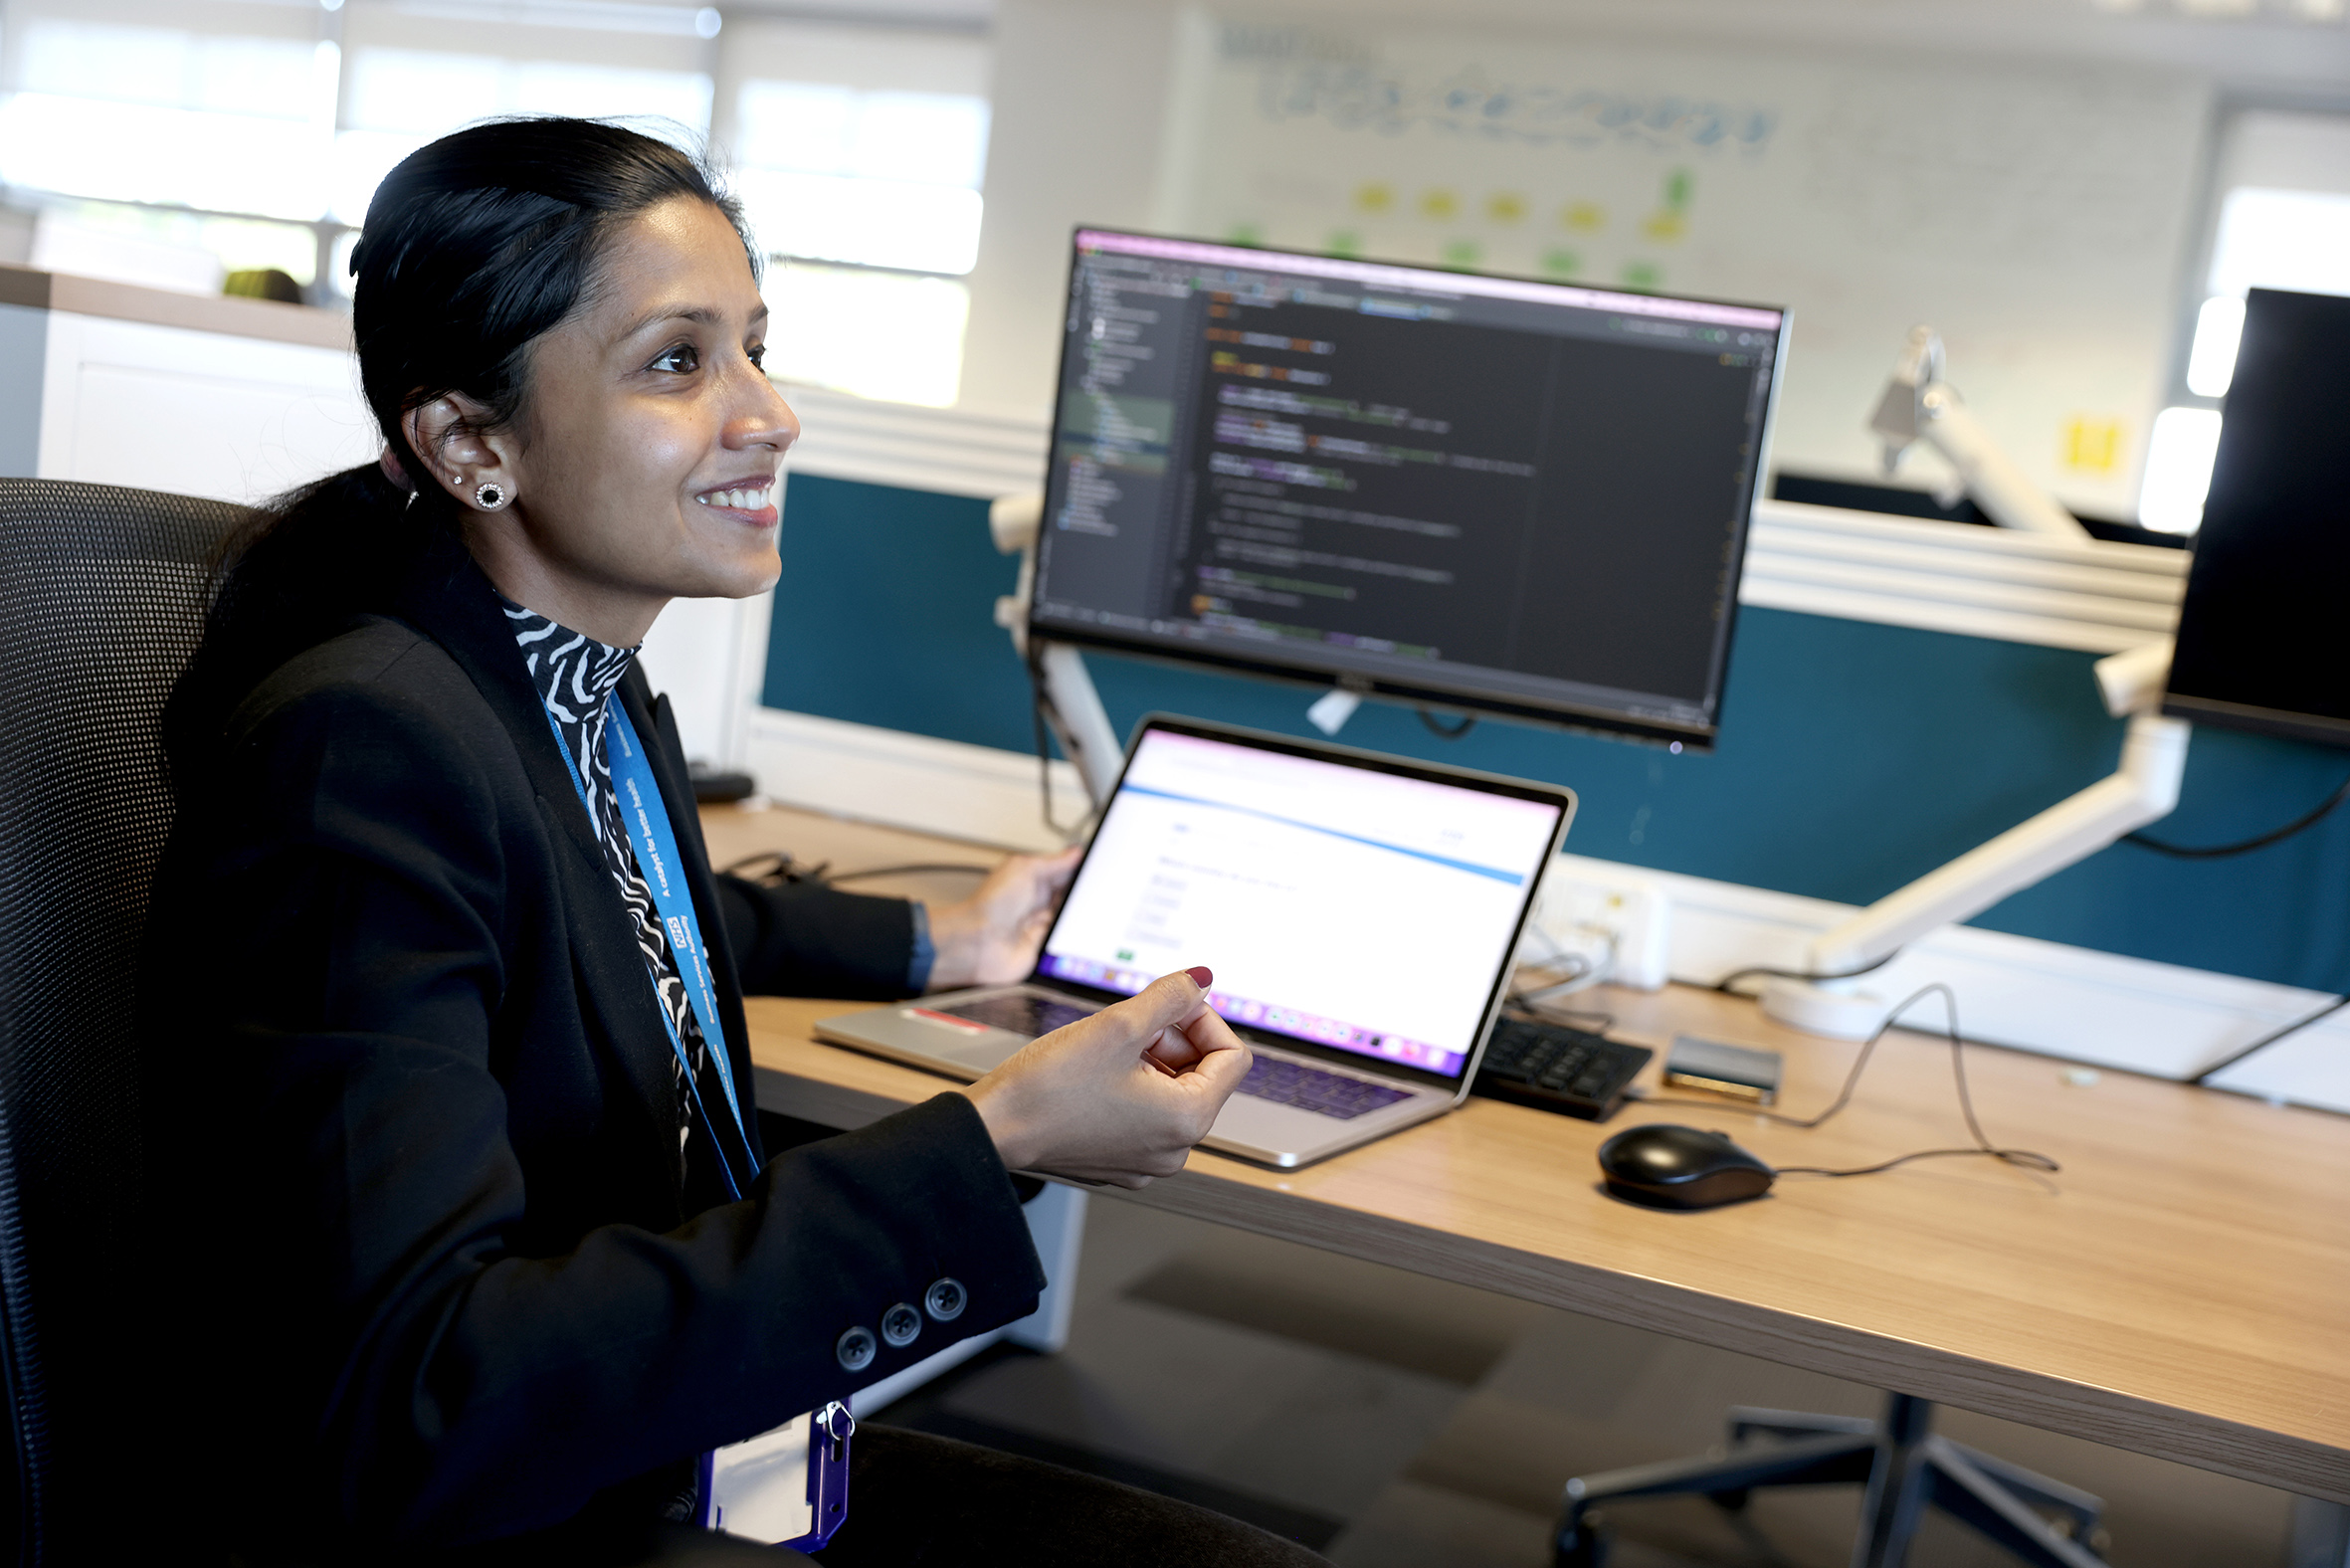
[{"x": 1201, "y": 976}]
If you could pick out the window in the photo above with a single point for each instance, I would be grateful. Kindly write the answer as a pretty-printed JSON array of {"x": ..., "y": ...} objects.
[
  {"x": 2282, "y": 222},
  {"x": 166, "y": 142},
  {"x": 397, "y": 99},
  {"x": 417, "y": 72},
  {"x": 165, "y": 249},
  {"x": 858, "y": 154},
  {"x": 895, "y": 336},
  {"x": 155, "y": 138},
  {"x": 128, "y": 110},
  {"x": 884, "y": 179}
]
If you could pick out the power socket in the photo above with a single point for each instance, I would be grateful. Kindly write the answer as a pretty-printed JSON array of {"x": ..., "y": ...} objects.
[{"x": 1580, "y": 896}]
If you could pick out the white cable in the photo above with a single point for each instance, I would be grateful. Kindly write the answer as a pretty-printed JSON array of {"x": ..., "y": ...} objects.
[{"x": 1588, "y": 970}]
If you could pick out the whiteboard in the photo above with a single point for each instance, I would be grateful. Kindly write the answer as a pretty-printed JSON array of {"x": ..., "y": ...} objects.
[{"x": 2036, "y": 215}]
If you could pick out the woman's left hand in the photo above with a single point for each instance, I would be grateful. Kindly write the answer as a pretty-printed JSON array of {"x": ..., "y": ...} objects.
[{"x": 992, "y": 938}]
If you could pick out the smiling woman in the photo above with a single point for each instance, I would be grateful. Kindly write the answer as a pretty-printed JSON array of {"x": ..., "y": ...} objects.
[
  {"x": 477, "y": 1243},
  {"x": 653, "y": 444}
]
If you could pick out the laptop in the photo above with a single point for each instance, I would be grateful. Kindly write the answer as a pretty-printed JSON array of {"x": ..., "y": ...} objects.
[{"x": 1360, "y": 913}]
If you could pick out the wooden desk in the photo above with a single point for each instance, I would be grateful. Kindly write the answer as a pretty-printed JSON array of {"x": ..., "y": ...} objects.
[{"x": 2181, "y": 1288}]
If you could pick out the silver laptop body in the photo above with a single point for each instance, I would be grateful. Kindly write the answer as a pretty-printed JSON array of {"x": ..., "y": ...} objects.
[{"x": 1360, "y": 913}]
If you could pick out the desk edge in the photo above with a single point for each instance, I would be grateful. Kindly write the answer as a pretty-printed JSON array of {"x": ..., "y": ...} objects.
[{"x": 2078, "y": 1410}]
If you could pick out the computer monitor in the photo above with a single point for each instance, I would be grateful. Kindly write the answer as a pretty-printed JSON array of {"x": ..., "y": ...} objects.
[
  {"x": 2262, "y": 644},
  {"x": 1483, "y": 494}
]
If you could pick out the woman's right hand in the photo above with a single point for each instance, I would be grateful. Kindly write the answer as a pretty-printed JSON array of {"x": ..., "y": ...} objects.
[{"x": 1121, "y": 1096}]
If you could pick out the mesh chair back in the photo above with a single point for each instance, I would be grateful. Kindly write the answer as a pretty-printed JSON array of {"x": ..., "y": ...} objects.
[{"x": 103, "y": 593}]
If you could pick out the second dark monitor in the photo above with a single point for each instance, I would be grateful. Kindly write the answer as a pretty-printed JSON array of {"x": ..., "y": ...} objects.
[{"x": 2262, "y": 644}]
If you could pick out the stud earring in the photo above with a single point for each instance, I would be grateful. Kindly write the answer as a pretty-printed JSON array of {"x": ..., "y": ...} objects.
[{"x": 488, "y": 496}]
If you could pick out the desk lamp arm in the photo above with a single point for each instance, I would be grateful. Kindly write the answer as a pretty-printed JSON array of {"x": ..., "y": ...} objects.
[{"x": 1072, "y": 707}]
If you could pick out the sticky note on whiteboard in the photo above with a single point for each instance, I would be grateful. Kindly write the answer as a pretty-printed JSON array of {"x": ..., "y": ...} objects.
[{"x": 2093, "y": 445}]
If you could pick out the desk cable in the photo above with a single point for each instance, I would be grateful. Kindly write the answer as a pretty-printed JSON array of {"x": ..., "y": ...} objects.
[
  {"x": 1727, "y": 985},
  {"x": 777, "y": 867},
  {"x": 1561, "y": 972},
  {"x": 2268, "y": 1040},
  {"x": 2214, "y": 852},
  {"x": 915, "y": 868},
  {"x": 1982, "y": 1145}
]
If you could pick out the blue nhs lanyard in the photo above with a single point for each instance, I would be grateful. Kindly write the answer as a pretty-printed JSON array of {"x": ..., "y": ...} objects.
[{"x": 655, "y": 845}]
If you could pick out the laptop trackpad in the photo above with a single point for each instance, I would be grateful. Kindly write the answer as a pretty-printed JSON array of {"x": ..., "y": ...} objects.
[{"x": 985, "y": 1055}]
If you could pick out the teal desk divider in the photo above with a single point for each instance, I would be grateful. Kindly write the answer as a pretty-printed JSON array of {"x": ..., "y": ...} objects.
[{"x": 1853, "y": 758}]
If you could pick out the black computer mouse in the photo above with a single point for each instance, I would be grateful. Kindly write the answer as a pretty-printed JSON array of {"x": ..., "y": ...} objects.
[{"x": 1672, "y": 1167}]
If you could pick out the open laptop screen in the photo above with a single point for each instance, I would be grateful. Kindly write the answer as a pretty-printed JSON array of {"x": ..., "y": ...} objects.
[{"x": 1338, "y": 904}]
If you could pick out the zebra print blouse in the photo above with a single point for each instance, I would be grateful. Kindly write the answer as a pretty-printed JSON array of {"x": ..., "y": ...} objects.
[{"x": 575, "y": 674}]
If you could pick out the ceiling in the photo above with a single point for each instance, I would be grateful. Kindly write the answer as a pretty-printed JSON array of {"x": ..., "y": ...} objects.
[{"x": 2293, "y": 51}]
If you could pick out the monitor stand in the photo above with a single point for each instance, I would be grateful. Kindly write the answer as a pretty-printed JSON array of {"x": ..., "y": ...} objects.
[{"x": 1072, "y": 707}]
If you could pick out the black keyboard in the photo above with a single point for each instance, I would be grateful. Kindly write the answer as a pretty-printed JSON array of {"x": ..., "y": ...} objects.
[
  {"x": 1553, "y": 1068},
  {"x": 1020, "y": 1013},
  {"x": 1310, "y": 1089}
]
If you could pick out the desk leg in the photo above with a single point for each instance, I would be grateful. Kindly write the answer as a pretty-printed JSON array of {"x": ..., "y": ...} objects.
[
  {"x": 2321, "y": 1534},
  {"x": 1897, "y": 1484}
]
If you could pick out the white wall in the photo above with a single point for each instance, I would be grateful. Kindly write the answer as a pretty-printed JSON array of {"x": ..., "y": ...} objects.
[
  {"x": 2299, "y": 151},
  {"x": 1080, "y": 90},
  {"x": 711, "y": 657},
  {"x": 170, "y": 407},
  {"x": 241, "y": 419},
  {"x": 1085, "y": 92}
]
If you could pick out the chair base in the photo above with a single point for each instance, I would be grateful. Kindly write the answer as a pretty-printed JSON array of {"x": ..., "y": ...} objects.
[{"x": 1906, "y": 1468}]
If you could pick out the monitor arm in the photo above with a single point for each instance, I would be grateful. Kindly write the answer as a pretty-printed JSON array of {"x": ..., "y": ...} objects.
[
  {"x": 1918, "y": 405},
  {"x": 1072, "y": 707},
  {"x": 2144, "y": 788}
]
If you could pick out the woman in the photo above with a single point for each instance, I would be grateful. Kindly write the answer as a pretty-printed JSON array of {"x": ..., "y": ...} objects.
[{"x": 447, "y": 1052}]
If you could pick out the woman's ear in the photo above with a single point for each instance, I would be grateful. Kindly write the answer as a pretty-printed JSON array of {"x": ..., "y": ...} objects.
[{"x": 447, "y": 436}]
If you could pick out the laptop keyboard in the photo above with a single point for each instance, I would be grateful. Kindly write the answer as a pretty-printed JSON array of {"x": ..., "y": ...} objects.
[
  {"x": 1310, "y": 1089},
  {"x": 1284, "y": 1082},
  {"x": 1020, "y": 1013}
]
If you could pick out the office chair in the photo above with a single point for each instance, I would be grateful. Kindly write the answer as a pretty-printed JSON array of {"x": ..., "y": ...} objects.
[
  {"x": 103, "y": 595},
  {"x": 1904, "y": 1466}
]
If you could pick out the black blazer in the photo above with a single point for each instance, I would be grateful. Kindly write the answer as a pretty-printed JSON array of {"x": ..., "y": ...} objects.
[{"x": 434, "y": 1273}]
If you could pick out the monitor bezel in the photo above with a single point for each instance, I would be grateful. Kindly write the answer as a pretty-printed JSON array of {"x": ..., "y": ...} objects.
[
  {"x": 1556, "y": 795},
  {"x": 1459, "y": 698},
  {"x": 2241, "y": 515},
  {"x": 2257, "y": 719}
]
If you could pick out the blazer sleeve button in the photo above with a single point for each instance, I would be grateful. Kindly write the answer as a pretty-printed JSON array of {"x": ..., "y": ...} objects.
[
  {"x": 856, "y": 1349},
  {"x": 900, "y": 1325},
  {"x": 945, "y": 1299}
]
